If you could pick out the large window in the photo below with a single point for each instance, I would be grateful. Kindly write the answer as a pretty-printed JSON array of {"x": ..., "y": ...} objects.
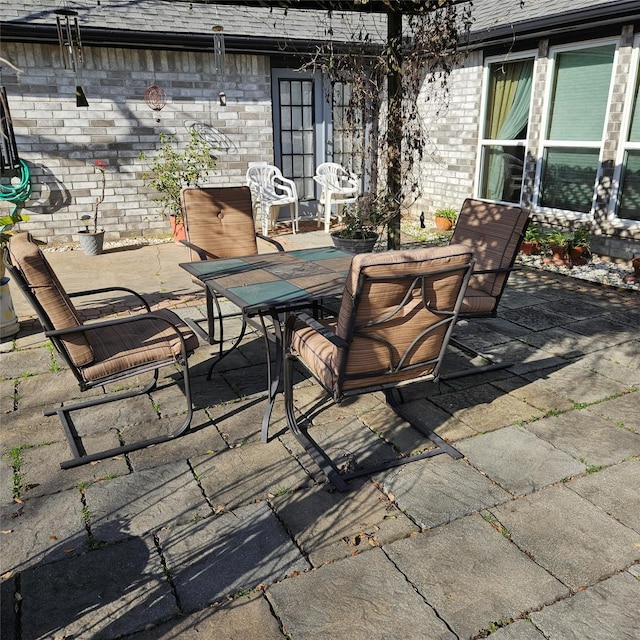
[
  {"x": 505, "y": 130},
  {"x": 629, "y": 194},
  {"x": 575, "y": 128}
]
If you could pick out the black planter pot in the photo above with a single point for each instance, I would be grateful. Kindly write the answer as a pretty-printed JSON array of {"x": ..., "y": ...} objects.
[{"x": 354, "y": 245}]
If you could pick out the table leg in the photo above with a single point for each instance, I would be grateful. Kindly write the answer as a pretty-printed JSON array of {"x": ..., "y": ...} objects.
[{"x": 274, "y": 370}]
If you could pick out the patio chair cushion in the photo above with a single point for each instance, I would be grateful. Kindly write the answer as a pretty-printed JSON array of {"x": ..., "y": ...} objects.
[
  {"x": 219, "y": 220},
  {"x": 137, "y": 343},
  {"x": 369, "y": 358},
  {"x": 46, "y": 287}
]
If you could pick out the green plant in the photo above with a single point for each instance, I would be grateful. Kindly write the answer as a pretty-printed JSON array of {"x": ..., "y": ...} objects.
[
  {"x": 448, "y": 213},
  {"x": 366, "y": 218},
  {"x": 580, "y": 238},
  {"x": 171, "y": 169},
  {"x": 534, "y": 233},
  {"x": 556, "y": 239}
]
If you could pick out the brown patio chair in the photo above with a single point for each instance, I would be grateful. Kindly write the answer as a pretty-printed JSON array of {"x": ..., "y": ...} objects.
[
  {"x": 103, "y": 352},
  {"x": 494, "y": 233},
  {"x": 395, "y": 319},
  {"x": 219, "y": 224}
]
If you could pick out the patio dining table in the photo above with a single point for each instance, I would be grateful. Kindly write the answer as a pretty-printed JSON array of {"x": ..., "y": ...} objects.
[{"x": 270, "y": 286}]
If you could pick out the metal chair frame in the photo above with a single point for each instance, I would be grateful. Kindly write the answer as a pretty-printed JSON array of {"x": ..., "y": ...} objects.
[
  {"x": 215, "y": 316},
  {"x": 518, "y": 232},
  {"x": 64, "y": 413},
  {"x": 448, "y": 318}
]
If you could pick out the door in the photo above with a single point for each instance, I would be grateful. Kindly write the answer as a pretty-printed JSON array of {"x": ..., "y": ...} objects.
[{"x": 300, "y": 131}]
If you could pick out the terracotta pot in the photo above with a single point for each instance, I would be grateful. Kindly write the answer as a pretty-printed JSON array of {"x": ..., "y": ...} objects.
[
  {"x": 178, "y": 230},
  {"x": 578, "y": 256},
  {"x": 559, "y": 256},
  {"x": 444, "y": 224},
  {"x": 529, "y": 248}
]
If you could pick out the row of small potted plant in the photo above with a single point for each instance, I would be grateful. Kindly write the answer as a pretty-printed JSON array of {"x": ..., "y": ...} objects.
[{"x": 560, "y": 247}]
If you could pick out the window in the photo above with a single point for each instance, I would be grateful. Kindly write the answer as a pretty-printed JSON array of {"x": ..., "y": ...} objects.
[
  {"x": 575, "y": 128},
  {"x": 505, "y": 130},
  {"x": 297, "y": 143},
  {"x": 629, "y": 194}
]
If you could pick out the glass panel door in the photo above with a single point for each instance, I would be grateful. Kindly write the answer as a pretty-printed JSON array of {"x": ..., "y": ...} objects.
[{"x": 297, "y": 133}]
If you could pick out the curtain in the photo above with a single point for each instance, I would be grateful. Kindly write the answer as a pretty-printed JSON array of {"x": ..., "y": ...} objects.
[{"x": 511, "y": 92}]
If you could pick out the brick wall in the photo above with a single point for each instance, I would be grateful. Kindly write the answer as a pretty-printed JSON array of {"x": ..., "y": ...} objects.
[
  {"x": 60, "y": 142},
  {"x": 447, "y": 174}
]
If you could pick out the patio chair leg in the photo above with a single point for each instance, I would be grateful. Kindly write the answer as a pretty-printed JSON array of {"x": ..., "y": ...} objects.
[
  {"x": 324, "y": 462},
  {"x": 493, "y": 366},
  {"x": 78, "y": 451}
]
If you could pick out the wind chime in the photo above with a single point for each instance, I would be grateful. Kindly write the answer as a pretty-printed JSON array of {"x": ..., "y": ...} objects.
[
  {"x": 219, "y": 55},
  {"x": 71, "y": 52}
]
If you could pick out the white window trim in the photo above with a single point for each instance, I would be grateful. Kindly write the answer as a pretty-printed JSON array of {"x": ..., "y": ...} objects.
[
  {"x": 625, "y": 144},
  {"x": 487, "y": 142},
  {"x": 545, "y": 143}
]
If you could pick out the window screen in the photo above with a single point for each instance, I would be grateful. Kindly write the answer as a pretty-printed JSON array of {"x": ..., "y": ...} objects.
[{"x": 580, "y": 94}]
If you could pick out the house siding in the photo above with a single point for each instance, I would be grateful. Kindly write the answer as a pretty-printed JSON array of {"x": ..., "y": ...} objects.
[
  {"x": 446, "y": 174},
  {"x": 60, "y": 142}
]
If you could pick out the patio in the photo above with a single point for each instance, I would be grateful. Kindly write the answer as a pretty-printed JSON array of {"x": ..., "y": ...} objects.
[{"x": 534, "y": 534}]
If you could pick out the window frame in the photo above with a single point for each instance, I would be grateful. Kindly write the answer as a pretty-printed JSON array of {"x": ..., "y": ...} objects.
[
  {"x": 485, "y": 143},
  {"x": 624, "y": 143},
  {"x": 545, "y": 143}
]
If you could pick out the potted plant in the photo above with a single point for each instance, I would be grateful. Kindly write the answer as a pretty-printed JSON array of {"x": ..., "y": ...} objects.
[
  {"x": 445, "y": 218},
  {"x": 579, "y": 247},
  {"x": 172, "y": 169},
  {"x": 363, "y": 223},
  {"x": 556, "y": 246},
  {"x": 533, "y": 240},
  {"x": 92, "y": 240}
]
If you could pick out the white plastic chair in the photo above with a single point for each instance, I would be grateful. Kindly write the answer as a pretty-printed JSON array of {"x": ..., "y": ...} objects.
[
  {"x": 270, "y": 190},
  {"x": 338, "y": 187}
]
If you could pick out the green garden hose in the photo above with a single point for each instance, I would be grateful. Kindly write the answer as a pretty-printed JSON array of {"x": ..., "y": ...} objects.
[{"x": 17, "y": 193}]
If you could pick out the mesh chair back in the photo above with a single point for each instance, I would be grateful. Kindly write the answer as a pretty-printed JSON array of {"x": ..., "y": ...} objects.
[
  {"x": 493, "y": 232},
  {"x": 219, "y": 220}
]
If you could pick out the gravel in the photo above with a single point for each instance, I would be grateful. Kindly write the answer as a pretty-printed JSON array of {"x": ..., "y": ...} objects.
[{"x": 607, "y": 273}]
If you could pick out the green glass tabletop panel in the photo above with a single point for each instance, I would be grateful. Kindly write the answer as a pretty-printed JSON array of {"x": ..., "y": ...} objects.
[
  {"x": 215, "y": 267},
  {"x": 320, "y": 253},
  {"x": 265, "y": 293}
]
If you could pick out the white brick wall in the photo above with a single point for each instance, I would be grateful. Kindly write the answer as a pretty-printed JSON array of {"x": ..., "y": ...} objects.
[
  {"x": 60, "y": 142},
  {"x": 446, "y": 175}
]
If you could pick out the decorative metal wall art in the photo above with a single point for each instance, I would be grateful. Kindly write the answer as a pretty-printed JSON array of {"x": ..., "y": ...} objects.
[{"x": 156, "y": 98}]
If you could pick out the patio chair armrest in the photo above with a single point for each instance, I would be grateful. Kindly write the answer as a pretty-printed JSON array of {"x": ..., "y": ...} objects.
[
  {"x": 90, "y": 292},
  {"x": 479, "y": 272},
  {"x": 311, "y": 322},
  {"x": 194, "y": 247},
  {"x": 118, "y": 321},
  {"x": 275, "y": 243}
]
